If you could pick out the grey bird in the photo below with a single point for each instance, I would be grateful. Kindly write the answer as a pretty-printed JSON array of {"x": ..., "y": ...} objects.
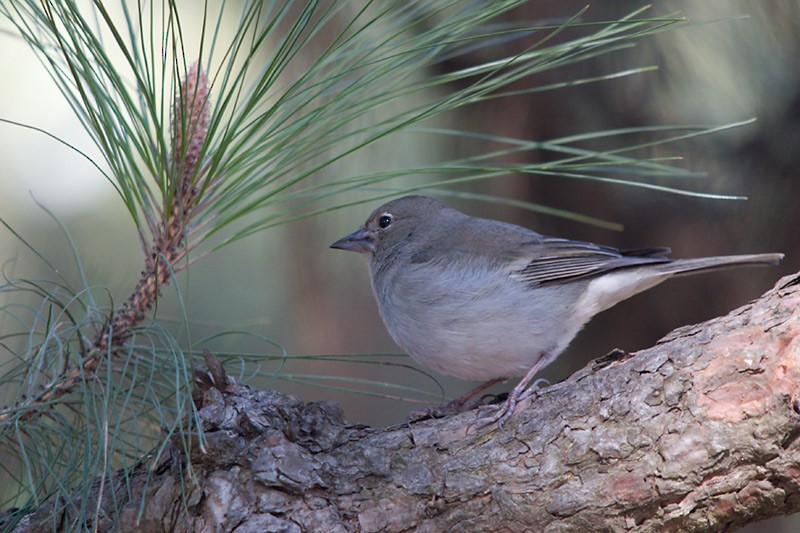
[{"x": 486, "y": 300}]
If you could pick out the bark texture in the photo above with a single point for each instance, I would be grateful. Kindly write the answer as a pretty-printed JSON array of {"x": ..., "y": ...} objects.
[{"x": 698, "y": 433}]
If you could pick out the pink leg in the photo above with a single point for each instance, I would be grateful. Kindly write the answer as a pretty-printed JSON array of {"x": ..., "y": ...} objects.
[
  {"x": 517, "y": 394},
  {"x": 453, "y": 406}
]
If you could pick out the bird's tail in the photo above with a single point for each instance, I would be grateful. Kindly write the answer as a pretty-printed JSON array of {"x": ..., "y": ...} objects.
[
  {"x": 609, "y": 289},
  {"x": 690, "y": 266}
]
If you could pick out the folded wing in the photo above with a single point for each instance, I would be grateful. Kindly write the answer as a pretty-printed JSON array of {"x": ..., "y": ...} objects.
[{"x": 554, "y": 261}]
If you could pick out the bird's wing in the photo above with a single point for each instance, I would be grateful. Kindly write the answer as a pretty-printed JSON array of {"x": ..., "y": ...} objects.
[
  {"x": 528, "y": 256},
  {"x": 553, "y": 261}
]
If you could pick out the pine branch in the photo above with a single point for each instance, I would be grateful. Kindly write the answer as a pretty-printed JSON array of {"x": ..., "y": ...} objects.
[{"x": 191, "y": 117}]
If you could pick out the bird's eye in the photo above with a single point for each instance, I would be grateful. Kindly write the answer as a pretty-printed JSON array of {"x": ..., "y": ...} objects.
[{"x": 385, "y": 220}]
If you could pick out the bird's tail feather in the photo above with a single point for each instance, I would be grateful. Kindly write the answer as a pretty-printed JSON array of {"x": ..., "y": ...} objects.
[{"x": 690, "y": 266}]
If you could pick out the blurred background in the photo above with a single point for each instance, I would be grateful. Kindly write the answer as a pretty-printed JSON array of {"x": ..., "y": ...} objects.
[{"x": 285, "y": 288}]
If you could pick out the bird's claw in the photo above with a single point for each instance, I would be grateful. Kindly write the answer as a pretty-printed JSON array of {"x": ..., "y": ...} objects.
[{"x": 508, "y": 407}]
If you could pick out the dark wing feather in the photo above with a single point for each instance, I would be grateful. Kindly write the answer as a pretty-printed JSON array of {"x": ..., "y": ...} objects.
[
  {"x": 562, "y": 260},
  {"x": 647, "y": 252}
]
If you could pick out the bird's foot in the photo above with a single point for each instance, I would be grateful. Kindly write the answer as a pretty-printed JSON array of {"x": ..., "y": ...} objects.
[
  {"x": 465, "y": 402},
  {"x": 442, "y": 410},
  {"x": 436, "y": 411},
  {"x": 508, "y": 407}
]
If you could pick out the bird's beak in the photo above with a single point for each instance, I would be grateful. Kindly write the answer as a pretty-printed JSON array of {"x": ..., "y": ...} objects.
[{"x": 359, "y": 241}]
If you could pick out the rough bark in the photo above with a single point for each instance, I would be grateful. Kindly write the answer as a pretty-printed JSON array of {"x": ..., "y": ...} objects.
[{"x": 698, "y": 433}]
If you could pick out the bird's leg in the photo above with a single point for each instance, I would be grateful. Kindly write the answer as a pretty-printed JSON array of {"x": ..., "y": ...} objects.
[
  {"x": 457, "y": 405},
  {"x": 517, "y": 394}
]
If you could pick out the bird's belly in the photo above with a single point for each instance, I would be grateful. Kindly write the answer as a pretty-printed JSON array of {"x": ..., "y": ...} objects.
[
  {"x": 479, "y": 352},
  {"x": 478, "y": 329}
]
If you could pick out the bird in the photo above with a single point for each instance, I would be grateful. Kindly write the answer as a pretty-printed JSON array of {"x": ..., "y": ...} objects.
[{"x": 486, "y": 300}]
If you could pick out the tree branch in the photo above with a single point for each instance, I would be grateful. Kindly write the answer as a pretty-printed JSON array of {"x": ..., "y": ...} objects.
[{"x": 698, "y": 433}]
